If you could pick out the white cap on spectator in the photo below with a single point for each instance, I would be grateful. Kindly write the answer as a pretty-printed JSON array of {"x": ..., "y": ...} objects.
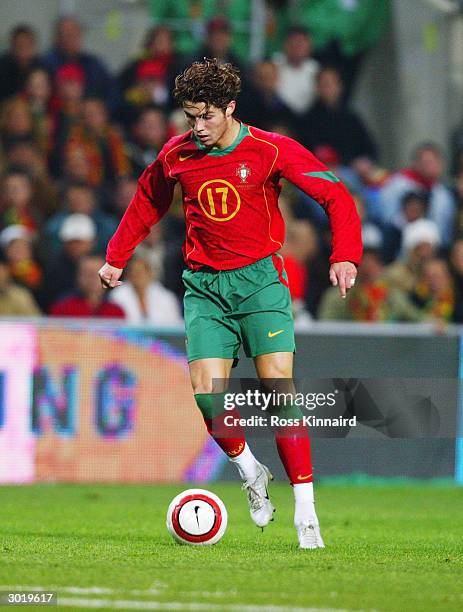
[
  {"x": 77, "y": 227},
  {"x": 13, "y": 232},
  {"x": 371, "y": 236},
  {"x": 417, "y": 232}
]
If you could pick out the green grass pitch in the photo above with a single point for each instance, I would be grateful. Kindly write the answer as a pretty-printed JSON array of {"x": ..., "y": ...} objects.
[{"x": 388, "y": 548}]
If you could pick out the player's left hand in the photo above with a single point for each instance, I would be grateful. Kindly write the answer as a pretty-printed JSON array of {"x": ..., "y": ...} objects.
[{"x": 342, "y": 275}]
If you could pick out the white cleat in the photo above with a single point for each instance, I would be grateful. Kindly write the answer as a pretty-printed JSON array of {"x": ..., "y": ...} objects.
[
  {"x": 309, "y": 535},
  {"x": 260, "y": 506}
]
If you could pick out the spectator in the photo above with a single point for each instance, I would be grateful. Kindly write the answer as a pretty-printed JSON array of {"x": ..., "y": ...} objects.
[
  {"x": 420, "y": 243},
  {"x": 89, "y": 300},
  {"x": 414, "y": 206},
  {"x": 24, "y": 156},
  {"x": 298, "y": 247},
  {"x": 425, "y": 174},
  {"x": 101, "y": 142},
  {"x": 145, "y": 299},
  {"x": 79, "y": 199},
  {"x": 178, "y": 123},
  {"x": 122, "y": 195},
  {"x": 76, "y": 167},
  {"x": 299, "y": 250},
  {"x": 18, "y": 61},
  {"x": 77, "y": 234},
  {"x": 456, "y": 268},
  {"x": 158, "y": 49},
  {"x": 297, "y": 71},
  {"x": 372, "y": 234},
  {"x": 16, "y": 243},
  {"x": 330, "y": 122},
  {"x": 66, "y": 108},
  {"x": 434, "y": 292},
  {"x": 17, "y": 198},
  {"x": 149, "y": 88},
  {"x": 372, "y": 237},
  {"x": 27, "y": 138},
  {"x": 218, "y": 43},
  {"x": 16, "y": 123},
  {"x": 68, "y": 50},
  {"x": 374, "y": 298},
  {"x": 153, "y": 250},
  {"x": 173, "y": 236},
  {"x": 37, "y": 93},
  {"x": 148, "y": 136},
  {"x": 260, "y": 104},
  {"x": 372, "y": 179},
  {"x": 14, "y": 301}
]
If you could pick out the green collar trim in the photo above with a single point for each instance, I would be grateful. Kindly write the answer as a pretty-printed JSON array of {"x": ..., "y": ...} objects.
[
  {"x": 215, "y": 152},
  {"x": 328, "y": 176}
]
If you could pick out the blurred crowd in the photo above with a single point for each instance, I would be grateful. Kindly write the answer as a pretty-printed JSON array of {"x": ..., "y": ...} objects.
[{"x": 74, "y": 138}]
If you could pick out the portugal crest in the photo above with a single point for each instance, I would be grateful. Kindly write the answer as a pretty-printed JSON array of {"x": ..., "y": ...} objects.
[{"x": 243, "y": 172}]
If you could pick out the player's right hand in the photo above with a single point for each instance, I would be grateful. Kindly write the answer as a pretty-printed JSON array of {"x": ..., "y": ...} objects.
[{"x": 109, "y": 276}]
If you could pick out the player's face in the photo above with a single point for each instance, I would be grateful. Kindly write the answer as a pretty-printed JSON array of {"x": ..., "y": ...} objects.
[{"x": 208, "y": 123}]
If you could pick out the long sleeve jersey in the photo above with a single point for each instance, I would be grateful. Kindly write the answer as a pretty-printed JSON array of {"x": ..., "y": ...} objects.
[{"x": 230, "y": 200}]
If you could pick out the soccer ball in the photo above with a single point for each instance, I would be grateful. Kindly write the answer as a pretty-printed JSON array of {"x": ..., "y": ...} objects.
[{"x": 197, "y": 517}]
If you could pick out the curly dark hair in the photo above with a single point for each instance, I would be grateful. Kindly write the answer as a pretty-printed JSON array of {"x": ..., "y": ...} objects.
[{"x": 209, "y": 81}]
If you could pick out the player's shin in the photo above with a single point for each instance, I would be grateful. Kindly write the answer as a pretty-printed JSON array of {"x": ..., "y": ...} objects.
[
  {"x": 223, "y": 425},
  {"x": 293, "y": 444}
]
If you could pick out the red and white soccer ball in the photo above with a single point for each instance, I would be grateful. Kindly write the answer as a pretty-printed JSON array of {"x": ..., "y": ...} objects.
[{"x": 197, "y": 517}]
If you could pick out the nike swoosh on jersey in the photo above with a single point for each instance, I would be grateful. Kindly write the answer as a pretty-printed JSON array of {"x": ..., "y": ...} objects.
[
  {"x": 304, "y": 477},
  {"x": 184, "y": 157},
  {"x": 271, "y": 334}
]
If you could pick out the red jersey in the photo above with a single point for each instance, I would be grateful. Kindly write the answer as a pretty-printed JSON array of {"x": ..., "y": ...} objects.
[{"x": 230, "y": 200}]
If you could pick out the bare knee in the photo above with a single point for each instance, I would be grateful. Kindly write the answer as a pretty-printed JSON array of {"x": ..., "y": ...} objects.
[
  {"x": 203, "y": 385},
  {"x": 275, "y": 371},
  {"x": 210, "y": 375},
  {"x": 274, "y": 365}
]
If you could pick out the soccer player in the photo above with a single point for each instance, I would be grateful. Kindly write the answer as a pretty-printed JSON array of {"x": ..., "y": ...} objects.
[{"x": 236, "y": 285}]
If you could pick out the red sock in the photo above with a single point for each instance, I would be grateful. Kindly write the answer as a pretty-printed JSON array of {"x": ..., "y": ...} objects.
[
  {"x": 230, "y": 438},
  {"x": 293, "y": 445}
]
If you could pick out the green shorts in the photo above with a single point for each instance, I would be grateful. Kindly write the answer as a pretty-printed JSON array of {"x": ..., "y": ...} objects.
[{"x": 249, "y": 306}]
